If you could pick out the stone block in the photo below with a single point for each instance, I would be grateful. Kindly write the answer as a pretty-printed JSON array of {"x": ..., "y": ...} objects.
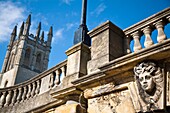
[
  {"x": 107, "y": 44},
  {"x": 78, "y": 56}
]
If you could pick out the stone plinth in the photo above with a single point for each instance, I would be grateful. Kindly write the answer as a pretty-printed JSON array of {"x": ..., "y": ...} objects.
[
  {"x": 107, "y": 44},
  {"x": 78, "y": 56}
]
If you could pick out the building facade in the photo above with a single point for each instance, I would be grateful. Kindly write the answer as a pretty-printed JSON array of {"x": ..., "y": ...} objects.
[{"x": 105, "y": 76}]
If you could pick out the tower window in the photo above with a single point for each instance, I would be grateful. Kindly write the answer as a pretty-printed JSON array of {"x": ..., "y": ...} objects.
[
  {"x": 38, "y": 62},
  {"x": 27, "y": 57}
]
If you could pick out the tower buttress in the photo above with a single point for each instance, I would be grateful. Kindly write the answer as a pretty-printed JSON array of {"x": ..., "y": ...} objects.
[
  {"x": 6, "y": 60},
  {"x": 48, "y": 48},
  {"x": 22, "y": 43}
]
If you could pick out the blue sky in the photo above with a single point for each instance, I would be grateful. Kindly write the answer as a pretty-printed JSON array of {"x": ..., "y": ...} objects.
[{"x": 64, "y": 16}]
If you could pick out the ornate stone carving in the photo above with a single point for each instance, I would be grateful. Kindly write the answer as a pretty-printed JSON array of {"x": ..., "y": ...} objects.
[{"x": 149, "y": 80}]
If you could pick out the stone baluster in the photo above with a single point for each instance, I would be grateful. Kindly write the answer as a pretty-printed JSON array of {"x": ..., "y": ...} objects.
[
  {"x": 160, "y": 27},
  {"x": 2, "y": 99},
  {"x": 127, "y": 44},
  {"x": 14, "y": 97},
  {"x": 33, "y": 89},
  {"x": 148, "y": 40},
  {"x": 57, "y": 78},
  {"x": 19, "y": 97},
  {"x": 137, "y": 45},
  {"x": 24, "y": 93},
  {"x": 63, "y": 70},
  {"x": 29, "y": 91},
  {"x": 38, "y": 87},
  {"x": 8, "y": 98},
  {"x": 51, "y": 84}
]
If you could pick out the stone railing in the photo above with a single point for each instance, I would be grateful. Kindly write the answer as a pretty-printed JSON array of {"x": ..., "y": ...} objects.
[
  {"x": 33, "y": 87},
  {"x": 146, "y": 27}
]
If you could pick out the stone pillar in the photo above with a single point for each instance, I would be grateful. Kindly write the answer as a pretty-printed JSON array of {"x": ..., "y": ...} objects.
[
  {"x": 78, "y": 56},
  {"x": 107, "y": 44}
]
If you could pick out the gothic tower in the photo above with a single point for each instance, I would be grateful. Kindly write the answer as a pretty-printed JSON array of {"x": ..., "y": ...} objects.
[{"x": 26, "y": 56}]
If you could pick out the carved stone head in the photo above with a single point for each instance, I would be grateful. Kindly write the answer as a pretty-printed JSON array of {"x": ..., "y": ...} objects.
[
  {"x": 149, "y": 79},
  {"x": 145, "y": 74}
]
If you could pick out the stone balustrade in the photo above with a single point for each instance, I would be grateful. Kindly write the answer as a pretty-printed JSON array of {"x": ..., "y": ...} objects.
[
  {"x": 33, "y": 87},
  {"x": 146, "y": 27}
]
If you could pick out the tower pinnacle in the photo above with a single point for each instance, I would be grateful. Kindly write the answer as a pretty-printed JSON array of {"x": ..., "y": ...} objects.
[
  {"x": 38, "y": 30},
  {"x": 27, "y": 25}
]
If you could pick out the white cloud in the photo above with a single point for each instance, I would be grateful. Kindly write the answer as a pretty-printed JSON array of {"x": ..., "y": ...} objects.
[
  {"x": 67, "y": 1},
  {"x": 10, "y": 15},
  {"x": 69, "y": 26},
  {"x": 58, "y": 35},
  {"x": 100, "y": 8}
]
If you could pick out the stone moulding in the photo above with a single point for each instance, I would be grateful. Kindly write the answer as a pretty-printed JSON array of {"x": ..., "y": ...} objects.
[
  {"x": 77, "y": 47},
  {"x": 107, "y": 25}
]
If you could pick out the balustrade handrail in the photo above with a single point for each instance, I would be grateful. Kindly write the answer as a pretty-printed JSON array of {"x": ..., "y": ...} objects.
[
  {"x": 148, "y": 21},
  {"x": 34, "y": 79},
  {"x": 145, "y": 27}
]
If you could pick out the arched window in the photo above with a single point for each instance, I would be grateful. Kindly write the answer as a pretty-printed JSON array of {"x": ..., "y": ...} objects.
[
  {"x": 38, "y": 62},
  {"x": 10, "y": 62},
  {"x": 38, "y": 59},
  {"x": 27, "y": 57}
]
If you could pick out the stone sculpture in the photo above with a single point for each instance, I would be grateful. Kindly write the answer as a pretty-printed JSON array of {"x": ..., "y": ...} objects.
[{"x": 149, "y": 80}]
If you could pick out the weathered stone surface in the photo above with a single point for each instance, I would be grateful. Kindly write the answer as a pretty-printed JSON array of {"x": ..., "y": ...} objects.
[
  {"x": 119, "y": 102},
  {"x": 78, "y": 56},
  {"x": 69, "y": 108},
  {"x": 107, "y": 44}
]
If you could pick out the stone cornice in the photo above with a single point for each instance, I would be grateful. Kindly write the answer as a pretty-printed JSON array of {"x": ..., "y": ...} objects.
[
  {"x": 107, "y": 25},
  {"x": 116, "y": 69},
  {"x": 63, "y": 93},
  {"x": 77, "y": 47}
]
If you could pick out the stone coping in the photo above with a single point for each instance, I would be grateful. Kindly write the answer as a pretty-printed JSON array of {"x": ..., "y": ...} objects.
[
  {"x": 106, "y": 25},
  {"x": 77, "y": 47}
]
